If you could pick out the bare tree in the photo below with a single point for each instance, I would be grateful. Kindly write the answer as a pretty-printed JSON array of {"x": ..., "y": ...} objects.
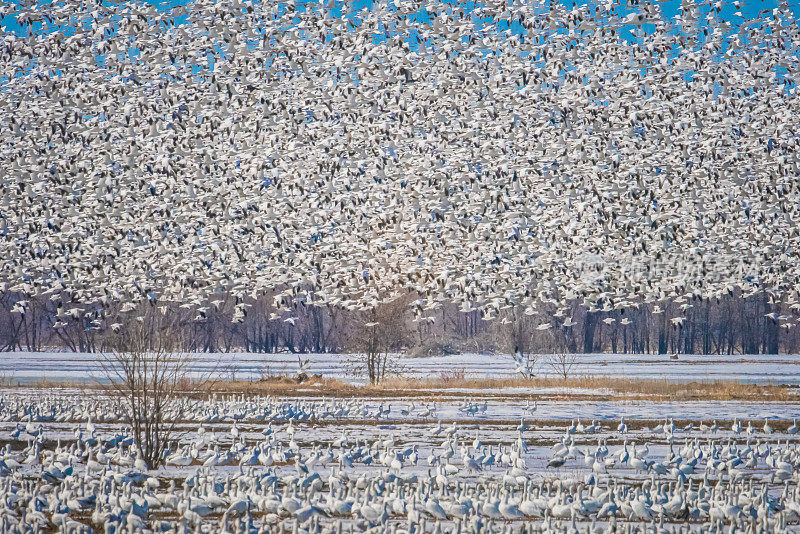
[
  {"x": 563, "y": 363},
  {"x": 730, "y": 324},
  {"x": 516, "y": 333},
  {"x": 152, "y": 383},
  {"x": 383, "y": 332}
]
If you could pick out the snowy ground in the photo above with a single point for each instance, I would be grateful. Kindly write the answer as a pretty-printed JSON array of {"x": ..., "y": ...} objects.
[
  {"x": 353, "y": 444},
  {"x": 781, "y": 369},
  {"x": 478, "y": 408}
]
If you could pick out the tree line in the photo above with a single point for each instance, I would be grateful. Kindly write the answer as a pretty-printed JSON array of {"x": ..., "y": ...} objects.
[{"x": 732, "y": 324}]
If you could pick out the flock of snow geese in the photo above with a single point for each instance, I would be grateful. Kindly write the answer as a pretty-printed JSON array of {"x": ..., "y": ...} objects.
[
  {"x": 518, "y": 153},
  {"x": 247, "y": 465}
]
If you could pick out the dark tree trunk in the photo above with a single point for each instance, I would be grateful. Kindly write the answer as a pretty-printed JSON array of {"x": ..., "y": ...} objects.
[
  {"x": 588, "y": 331},
  {"x": 663, "y": 335}
]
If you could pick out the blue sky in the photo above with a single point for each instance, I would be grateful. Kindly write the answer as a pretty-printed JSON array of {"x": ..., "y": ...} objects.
[{"x": 749, "y": 9}]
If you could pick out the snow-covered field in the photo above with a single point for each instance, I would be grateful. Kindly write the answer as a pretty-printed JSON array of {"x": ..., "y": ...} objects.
[
  {"x": 780, "y": 369},
  {"x": 512, "y": 459},
  {"x": 263, "y": 464}
]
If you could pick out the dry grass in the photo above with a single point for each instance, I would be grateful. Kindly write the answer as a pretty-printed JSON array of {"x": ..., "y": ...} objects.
[
  {"x": 720, "y": 390},
  {"x": 45, "y": 383},
  {"x": 438, "y": 386},
  {"x": 285, "y": 386}
]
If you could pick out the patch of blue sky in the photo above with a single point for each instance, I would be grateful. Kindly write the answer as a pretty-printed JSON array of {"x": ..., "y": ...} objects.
[
  {"x": 355, "y": 11},
  {"x": 724, "y": 10}
]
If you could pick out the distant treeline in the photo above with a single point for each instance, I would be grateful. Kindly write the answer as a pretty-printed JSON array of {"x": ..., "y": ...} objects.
[{"x": 733, "y": 324}]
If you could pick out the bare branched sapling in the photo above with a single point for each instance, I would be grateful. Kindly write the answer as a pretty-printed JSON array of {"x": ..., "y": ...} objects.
[{"x": 153, "y": 386}]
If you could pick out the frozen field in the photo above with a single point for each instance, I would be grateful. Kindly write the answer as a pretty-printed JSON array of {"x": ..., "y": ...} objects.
[
  {"x": 780, "y": 369},
  {"x": 513, "y": 459},
  {"x": 272, "y": 465}
]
